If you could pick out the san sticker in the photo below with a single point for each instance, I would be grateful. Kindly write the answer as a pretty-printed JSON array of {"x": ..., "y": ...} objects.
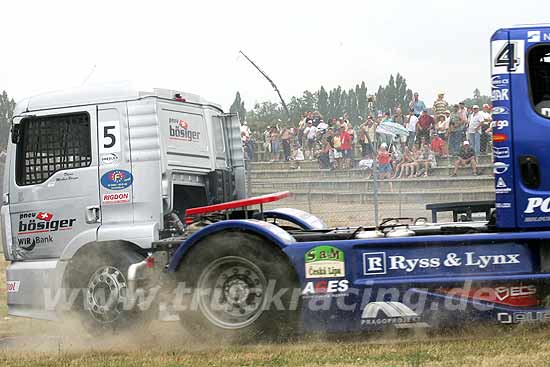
[
  {"x": 324, "y": 262},
  {"x": 117, "y": 179}
]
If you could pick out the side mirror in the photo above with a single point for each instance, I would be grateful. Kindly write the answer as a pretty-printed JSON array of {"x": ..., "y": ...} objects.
[{"x": 16, "y": 133}]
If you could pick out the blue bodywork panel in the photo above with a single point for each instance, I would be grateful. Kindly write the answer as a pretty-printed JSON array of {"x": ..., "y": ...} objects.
[{"x": 419, "y": 281}]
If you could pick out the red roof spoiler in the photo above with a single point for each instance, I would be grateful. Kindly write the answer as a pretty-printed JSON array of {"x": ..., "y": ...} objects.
[{"x": 258, "y": 200}]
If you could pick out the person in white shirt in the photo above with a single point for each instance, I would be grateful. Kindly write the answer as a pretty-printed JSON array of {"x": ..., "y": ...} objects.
[
  {"x": 474, "y": 128},
  {"x": 411, "y": 127},
  {"x": 485, "y": 139},
  {"x": 310, "y": 132}
]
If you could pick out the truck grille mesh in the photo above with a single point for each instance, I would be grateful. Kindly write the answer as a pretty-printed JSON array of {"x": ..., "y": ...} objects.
[{"x": 50, "y": 144}]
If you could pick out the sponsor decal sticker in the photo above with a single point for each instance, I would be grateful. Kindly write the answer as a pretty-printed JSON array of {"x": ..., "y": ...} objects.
[
  {"x": 503, "y": 205},
  {"x": 501, "y": 124},
  {"x": 325, "y": 288},
  {"x": 324, "y": 262},
  {"x": 109, "y": 158},
  {"x": 500, "y": 95},
  {"x": 13, "y": 286},
  {"x": 500, "y": 167},
  {"x": 501, "y": 152},
  {"x": 117, "y": 179},
  {"x": 500, "y": 110},
  {"x": 498, "y": 81},
  {"x": 115, "y": 198},
  {"x": 537, "y": 36},
  {"x": 502, "y": 188},
  {"x": 29, "y": 243},
  {"x": 391, "y": 313},
  {"x": 523, "y": 316},
  {"x": 537, "y": 203},
  {"x": 379, "y": 263},
  {"x": 181, "y": 130},
  {"x": 42, "y": 222}
]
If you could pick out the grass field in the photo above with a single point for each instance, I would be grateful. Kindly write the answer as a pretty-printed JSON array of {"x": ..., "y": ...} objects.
[{"x": 164, "y": 346}]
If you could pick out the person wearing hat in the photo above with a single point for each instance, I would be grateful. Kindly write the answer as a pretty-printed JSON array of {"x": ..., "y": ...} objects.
[
  {"x": 474, "y": 128},
  {"x": 440, "y": 106},
  {"x": 466, "y": 157}
]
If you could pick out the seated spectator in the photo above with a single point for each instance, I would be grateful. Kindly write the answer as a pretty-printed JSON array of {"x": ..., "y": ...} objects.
[
  {"x": 439, "y": 146},
  {"x": 383, "y": 160},
  {"x": 411, "y": 167},
  {"x": 466, "y": 156},
  {"x": 426, "y": 160},
  {"x": 365, "y": 164},
  {"x": 404, "y": 166}
]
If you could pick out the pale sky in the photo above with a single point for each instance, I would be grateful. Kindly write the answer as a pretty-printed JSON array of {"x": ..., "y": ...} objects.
[{"x": 194, "y": 46}]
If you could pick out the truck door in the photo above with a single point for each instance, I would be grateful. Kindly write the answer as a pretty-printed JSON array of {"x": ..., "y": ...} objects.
[
  {"x": 527, "y": 54},
  {"x": 54, "y": 196}
]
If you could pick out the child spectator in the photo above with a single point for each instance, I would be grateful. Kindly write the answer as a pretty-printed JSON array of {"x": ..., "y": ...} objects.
[
  {"x": 384, "y": 159},
  {"x": 298, "y": 155}
]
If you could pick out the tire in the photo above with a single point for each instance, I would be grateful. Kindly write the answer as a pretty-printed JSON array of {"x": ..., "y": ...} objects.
[
  {"x": 232, "y": 276},
  {"x": 101, "y": 276}
]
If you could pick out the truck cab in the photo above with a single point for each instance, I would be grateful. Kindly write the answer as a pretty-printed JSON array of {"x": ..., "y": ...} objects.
[
  {"x": 104, "y": 165},
  {"x": 520, "y": 61}
]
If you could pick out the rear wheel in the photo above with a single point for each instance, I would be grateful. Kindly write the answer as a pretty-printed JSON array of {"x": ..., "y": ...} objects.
[{"x": 242, "y": 288}]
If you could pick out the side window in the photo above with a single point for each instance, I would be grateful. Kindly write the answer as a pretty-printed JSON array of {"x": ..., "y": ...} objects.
[
  {"x": 49, "y": 144},
  {"x": 538, "y": 61}
]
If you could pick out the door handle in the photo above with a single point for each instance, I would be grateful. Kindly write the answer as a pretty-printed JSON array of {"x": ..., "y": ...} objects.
[
  {"x": 92, "y": 214},
  {"x": 530, "y": 173}
]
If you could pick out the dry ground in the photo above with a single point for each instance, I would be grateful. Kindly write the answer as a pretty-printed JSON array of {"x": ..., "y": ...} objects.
[{"x": 38, "y": 343}]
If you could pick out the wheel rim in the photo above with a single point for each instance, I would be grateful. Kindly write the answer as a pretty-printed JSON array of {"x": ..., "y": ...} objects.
[
  {"x": 232, "y": 292},
  {"x": 106, "y": 294}
]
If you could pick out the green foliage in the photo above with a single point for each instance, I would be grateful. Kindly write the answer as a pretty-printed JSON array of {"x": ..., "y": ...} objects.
[
  {"x": 238, "y": 107},
  {"x": 7, "y": 106},
  {"x": 477, "y": 99}
]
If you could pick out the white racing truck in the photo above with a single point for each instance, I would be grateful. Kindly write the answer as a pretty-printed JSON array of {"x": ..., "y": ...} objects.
[{"x": 95, "y": 175}]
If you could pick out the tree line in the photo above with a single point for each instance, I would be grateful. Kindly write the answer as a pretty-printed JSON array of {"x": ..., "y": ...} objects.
[
  {"x": 7, "y": 106},
  {"x": 357, "y": 102}
]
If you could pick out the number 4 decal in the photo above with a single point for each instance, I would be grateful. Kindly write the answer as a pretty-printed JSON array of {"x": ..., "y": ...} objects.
[
  {"x": 109, "y": 137},
  {"x": 507, "y": 56}
]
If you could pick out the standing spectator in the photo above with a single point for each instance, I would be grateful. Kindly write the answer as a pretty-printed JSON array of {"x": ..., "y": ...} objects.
[
  {"x": 423, "y": 127},
  {"x": 274, "y": 139},
  {"x": 363, "y": 139},
  {"x": 285, "y": 140},
  {"x": 384, "y": 159},
  {"x": 440, "y": 106},
  {"x": 411, "y": 127},
  {"x": 455, "y": 131},
  {"x": 345, "y": 147},
  {"x": 310, "y": 132},
  {"x": 463, "y": 114},
  {"x": 467, "y": 156},
  {"x": 325, "y": 160},
  {"x": 474, "y": 128},
  {"x": 301, "y": 127},
  {"x": 267, "y": 142},
  {"x": 417, "y": 105},
  {"x": 399, "y": 117},
  {"x": 442, "y": 126},
  {"x": 485, "y": 139}
]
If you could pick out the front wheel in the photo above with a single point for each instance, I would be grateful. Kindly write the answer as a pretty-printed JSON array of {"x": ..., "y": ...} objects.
[
  {"x": 101, "y": 278},
  {"x": 242, "y": 288}
]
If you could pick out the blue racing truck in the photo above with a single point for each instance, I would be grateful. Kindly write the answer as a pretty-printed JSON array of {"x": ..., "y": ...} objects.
[{"x": 223, "y": 265}]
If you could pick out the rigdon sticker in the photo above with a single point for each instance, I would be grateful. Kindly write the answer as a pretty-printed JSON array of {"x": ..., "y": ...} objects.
[{"x": 324, "y": 262}]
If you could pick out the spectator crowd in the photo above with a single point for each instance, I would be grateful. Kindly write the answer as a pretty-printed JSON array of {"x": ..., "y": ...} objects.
[{"x": 396, "y": 145}]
